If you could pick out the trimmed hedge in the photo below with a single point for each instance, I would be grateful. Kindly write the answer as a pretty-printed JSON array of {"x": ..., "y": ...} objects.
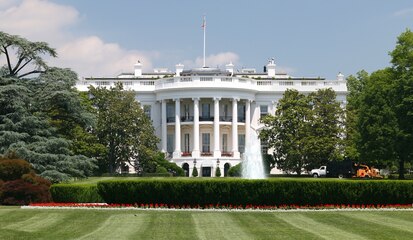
[
  {"x": 255, "y": 192},
  {"x": 75, "y": 193}
]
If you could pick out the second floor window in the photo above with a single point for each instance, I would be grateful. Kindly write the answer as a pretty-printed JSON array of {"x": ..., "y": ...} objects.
[
  {"x": 263, "y": 110},
  {"x": 206, "y": 110},
  {"x": 147, "y": 110}
]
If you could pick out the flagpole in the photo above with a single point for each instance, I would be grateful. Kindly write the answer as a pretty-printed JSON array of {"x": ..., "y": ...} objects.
[{"x": 204, "y": 27}]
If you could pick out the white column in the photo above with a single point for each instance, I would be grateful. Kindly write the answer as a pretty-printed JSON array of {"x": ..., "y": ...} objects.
[
  {"x": 235, "y": 128},
  {"x": 195, "y": 150},
  {"x": 177, "y": 151},
  {"x": 273, "y": 107},
  {"x": 217, "y": 152},
  {"x": 164, "y": 127},
  {"x": 247, "y": 122}
]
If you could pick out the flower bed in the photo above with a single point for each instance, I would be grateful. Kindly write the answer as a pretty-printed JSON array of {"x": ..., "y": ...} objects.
[{"x": 224, "y": 207}]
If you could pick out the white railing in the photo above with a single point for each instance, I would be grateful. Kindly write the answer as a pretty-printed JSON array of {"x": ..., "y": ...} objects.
[{"x": 215, "y": 82}]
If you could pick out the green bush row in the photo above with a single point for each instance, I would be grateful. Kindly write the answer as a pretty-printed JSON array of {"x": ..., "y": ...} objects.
[
  {"x": 256, "y": 192},
  {"x": 75, "y": 193}
]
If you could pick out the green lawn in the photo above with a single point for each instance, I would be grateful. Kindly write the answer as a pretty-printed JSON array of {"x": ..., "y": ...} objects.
[{"x": 16, "y": 223}]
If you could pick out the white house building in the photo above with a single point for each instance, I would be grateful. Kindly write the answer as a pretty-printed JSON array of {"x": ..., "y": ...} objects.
[{"x": 202, "y": 115}]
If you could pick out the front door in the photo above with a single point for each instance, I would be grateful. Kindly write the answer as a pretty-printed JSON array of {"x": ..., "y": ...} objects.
[{"x": 206, "y": 171}]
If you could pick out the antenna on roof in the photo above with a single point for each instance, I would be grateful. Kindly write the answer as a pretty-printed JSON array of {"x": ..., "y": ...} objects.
[{"x": 204, "y": 28}]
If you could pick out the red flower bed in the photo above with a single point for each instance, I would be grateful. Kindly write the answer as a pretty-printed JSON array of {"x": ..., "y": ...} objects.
[{"x": 225, "y": 206}]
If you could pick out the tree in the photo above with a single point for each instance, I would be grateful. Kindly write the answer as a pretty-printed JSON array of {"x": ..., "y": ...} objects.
[
  {"x": 26, "y": 53},
  {"x": 355, "y": 86},
  {"x": 218, "y": 172},
  {"x": 377, "y": 125},
  {"x": 27, "y": 125},
  {"x": 402, "y": 60},
  {"x": 305, "y": 131},
  {"x": 324, "y": 142},
  {"x": 385, "y": 110},
  {"x": 67, "y": 110},
  {"x": 286, "y": 131},
  {"x": 124, "y": 129},
  {"x": 195, "y": 172}
]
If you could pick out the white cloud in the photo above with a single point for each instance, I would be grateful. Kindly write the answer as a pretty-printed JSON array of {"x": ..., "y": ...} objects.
[
  {"x": 404, "y": 12},
  {"x": 38, "y": 20},
  {"x": 93, "y": 57},
  {"x": 42, "y": 20},
  {"x": 213, "y": 60}
]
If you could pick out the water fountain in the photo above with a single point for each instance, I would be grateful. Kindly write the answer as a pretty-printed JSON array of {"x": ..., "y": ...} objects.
[{"x": 252, "y": 164}]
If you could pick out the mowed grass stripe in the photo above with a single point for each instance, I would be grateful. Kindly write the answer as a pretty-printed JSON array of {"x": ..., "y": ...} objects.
[
  {"x": 218, "y": 226},
  {"x": 322, "y": 230},
  {"x": 118, "y": 226},
  {"x": 270, "y": 226},
  {"x": 37, "y": 222},
  {"x": 359, "y": 226},
  {"x": 168, "y": 225},
  {"x": 391, "y": 222}
]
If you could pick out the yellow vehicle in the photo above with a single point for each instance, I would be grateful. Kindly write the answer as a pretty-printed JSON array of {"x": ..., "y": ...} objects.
[{"x": 364, "y": 171}]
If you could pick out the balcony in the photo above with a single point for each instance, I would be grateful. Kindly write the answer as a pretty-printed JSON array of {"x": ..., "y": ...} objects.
[
  {"x": 206, "y": 118},
  {"x": 170, "y": 119},
  {"x": 241, "y": 119},
  {"x": 225, "y": 118},
  {"x": 187, "y": 119}
]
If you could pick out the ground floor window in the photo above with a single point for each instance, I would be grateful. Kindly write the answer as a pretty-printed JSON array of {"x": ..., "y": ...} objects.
[
  {"x": 186, "y": 142},
  {"x": 170, "y": 142},
  {"x": 206, "y": 145},
  {"x": 224, "y": 142}
]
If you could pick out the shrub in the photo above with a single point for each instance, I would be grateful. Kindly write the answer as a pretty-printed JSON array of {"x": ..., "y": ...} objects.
[
  {"x": 174, "y": 169},
  {"x": 160, "y": 169},
  {"x": 218, "y": 172},
  {"x": 167, "y": 174},
  {"x": 256, "y": 192},
  {"x": 21, "y": 185},
  {"x": 235, "y": 171},
  {"x": 21, "y": 192},
  {"x": 195, "y": 172},
  {"x": 75, "y": 193},
  {"x": 13, "y": 169}
]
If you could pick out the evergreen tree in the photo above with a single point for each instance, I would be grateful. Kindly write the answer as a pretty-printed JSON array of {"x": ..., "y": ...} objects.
[
  {"x": 21, "y": 54},
  {"x": 218, "y": 172},
  {"x": 195, "y": 172},
  {"x": 29, "y": 126}
]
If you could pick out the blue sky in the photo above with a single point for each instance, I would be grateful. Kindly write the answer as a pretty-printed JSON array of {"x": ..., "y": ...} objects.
[{"x": 307, "y": 38}]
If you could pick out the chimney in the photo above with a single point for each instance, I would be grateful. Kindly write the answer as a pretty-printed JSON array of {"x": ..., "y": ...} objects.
[
  {"x": 340, "y": 77},
  {"x": 179, "y": 68},
  {"x": 271, "y": 68},
  {"x": 138, "y": 69},
  {"x": 230, "y": 68}
]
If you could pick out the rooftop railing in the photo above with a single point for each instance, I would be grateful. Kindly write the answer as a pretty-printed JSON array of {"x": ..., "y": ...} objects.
[{"x": 265, "y": 85}]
